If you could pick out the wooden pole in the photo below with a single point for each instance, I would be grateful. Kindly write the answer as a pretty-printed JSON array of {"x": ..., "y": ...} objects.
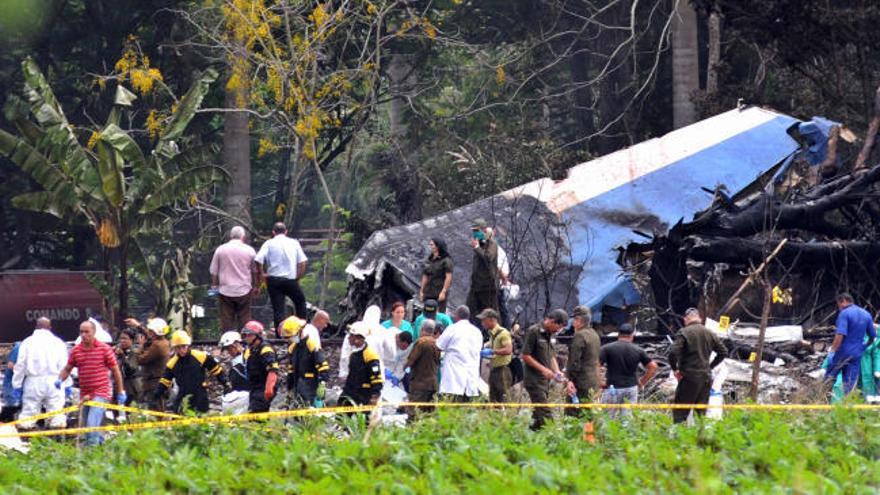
[
  {"x": 751, "y": 278},
  {"x": 759, "y": 352}
]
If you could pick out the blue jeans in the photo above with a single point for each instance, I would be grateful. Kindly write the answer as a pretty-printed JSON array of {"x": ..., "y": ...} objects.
[
  {"x": 625, "y": 395},
  {"x": 94, "y": 417},
  {"x": 850, "y": 366}
]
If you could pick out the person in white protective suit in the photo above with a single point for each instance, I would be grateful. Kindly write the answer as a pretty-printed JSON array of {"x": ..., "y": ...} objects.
[
  {"x": 40, "y": 358},
  {"x": 380, "y": 339},
  {"x": 235, "y": 400}
]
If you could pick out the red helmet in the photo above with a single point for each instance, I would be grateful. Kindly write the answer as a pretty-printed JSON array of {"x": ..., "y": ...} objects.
[{"x": 252, "y": 327}]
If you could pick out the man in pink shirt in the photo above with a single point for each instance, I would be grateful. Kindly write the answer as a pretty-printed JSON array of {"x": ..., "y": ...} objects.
[
  {"x": 234, "y": 275},
  {"x": 95, "y": 361}
]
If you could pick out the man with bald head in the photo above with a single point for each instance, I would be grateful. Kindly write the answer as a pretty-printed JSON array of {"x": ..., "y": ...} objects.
[
  {"x": 316, "y": 326},
  {"x": 234, "y": 276},
  {"x": 40, "y": 358}
]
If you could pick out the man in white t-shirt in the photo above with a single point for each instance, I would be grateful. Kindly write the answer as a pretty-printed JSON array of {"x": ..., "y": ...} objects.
[{"x": 281, "y": 262}]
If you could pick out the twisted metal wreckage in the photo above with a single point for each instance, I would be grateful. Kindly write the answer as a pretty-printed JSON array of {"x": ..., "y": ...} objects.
[{"x": 669, "y": 223}]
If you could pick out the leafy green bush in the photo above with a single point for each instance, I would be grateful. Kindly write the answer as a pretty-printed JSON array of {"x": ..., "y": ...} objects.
[{"x": 459, "y": 451}]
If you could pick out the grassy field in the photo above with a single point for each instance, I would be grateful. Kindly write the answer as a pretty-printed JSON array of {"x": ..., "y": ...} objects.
[{"x": 458, "y": 451}]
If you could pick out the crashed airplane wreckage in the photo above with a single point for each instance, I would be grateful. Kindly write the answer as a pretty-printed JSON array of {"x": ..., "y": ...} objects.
[{"x": 658, "y": 223}]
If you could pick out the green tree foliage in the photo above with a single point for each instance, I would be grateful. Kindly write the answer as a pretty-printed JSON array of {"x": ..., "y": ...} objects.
[
  {"x": 111, "y": 183},
  {"x": 465, "y": 451}
]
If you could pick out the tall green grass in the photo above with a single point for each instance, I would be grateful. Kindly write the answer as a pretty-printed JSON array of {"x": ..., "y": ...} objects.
[{"x": 460, "y": 451}]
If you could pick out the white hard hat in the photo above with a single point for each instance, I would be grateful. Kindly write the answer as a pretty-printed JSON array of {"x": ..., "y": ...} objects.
[
  {"x": 158, "y": 325},
  {"x": 229, "y": 338},
  {"x": 359, "y": 328}
]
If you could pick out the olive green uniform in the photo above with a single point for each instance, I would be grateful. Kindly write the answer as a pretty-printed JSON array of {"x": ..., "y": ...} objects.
[
  {"x": 583, "y": 365},
  {"x": 689, "y": 354},
  {"x": 484, "y": 277},
  {"x": 537, "y": 345},
  {"x": 500, "y": 377}
]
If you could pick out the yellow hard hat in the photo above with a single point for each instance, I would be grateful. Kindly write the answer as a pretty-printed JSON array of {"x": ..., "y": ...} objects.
[
  {"x": 180, "y": 338},
  {"x": 158, "y": 325},
  {"x": 291, "y": 326}
]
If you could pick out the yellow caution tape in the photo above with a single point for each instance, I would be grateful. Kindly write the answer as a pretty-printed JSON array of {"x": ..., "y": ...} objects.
[
  {"x": 42, "y": 416},
  {"x": 192, "y": 421},
  {"x": 117, "y": 407},
  {"x": 236, "y": 418}
]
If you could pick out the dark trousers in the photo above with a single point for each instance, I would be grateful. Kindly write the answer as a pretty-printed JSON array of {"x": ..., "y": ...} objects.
[
  {"x": 198, "y": 401},
  {"x": 234, "y": 312},
  {"x": 279, "y": 290},
  {"x": 538, "y": 395},
  {"x": 257, "y": 402},
  {"x": 500, "y": 381},
  {"x": 692, "y": 389},
  {"x": 305, "y": 392},
  {"x": 478, "y": 300},
  {"x": 416, "y": 395},
  {"x": 585, "y": 396},
  {"x": 502, "y": 310}
]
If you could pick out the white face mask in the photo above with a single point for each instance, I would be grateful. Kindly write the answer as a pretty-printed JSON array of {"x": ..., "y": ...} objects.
[
  {"x": 296, "y": 339},
  {"x": 358, "y": 348}
]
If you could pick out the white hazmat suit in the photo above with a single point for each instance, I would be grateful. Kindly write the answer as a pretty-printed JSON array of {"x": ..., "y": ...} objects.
[{"x": 41, "y": 358}]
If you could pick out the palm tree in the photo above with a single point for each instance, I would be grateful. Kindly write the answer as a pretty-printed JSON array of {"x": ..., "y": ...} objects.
[{"x": 111, "y": 184}]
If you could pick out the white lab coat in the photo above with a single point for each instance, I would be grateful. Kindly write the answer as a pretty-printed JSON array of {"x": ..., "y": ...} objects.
[
  {"x": 460, "y": 373},
  {"x": 41, "y": 358}
]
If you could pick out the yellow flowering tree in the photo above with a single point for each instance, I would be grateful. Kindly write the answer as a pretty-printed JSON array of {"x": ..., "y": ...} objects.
[{"x": 311, "y": 71}]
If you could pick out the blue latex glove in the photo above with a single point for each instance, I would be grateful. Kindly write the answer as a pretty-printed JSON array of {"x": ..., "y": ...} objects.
[
  {"x": 68, "y": 391},
  {"x": 121, "y": 398},
  {"x": 487, "y": 353},
  {"x": 388, "y": 374},
  {"x": 16, "y": 396},
  {"x": 58, "y": 384}
]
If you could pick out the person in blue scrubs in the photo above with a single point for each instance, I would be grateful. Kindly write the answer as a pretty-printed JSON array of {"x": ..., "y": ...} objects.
[{"x": 853, "y": 323}]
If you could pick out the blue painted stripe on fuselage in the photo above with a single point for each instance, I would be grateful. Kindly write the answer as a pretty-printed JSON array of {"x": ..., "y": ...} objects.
[{"x": 664, "y": 196}]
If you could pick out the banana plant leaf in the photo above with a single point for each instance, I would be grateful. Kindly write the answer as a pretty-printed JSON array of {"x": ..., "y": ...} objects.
[
  {"x": 43, "y": 202},
  {"x": 178, "y": 187},
  {"x": 186, "y": 109},
  {"x": 62, "y": 147},
  {"x": 36, "y": 164}
]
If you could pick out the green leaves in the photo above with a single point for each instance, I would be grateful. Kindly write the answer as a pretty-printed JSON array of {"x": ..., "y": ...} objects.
[
  {"x": 182, "y": 186},
  {"x": 183, "y": 114},
  {"x": 461, "y": 451}
]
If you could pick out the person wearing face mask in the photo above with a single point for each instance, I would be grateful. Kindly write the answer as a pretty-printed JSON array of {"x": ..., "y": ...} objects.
[
  {"x": 235, "y": 401},
  {"x": 484, "y": 273},
  {"x": 306, "y": 382},
  {"x": 363, "y": 385},
  {"x": 437, "y": 274}
]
